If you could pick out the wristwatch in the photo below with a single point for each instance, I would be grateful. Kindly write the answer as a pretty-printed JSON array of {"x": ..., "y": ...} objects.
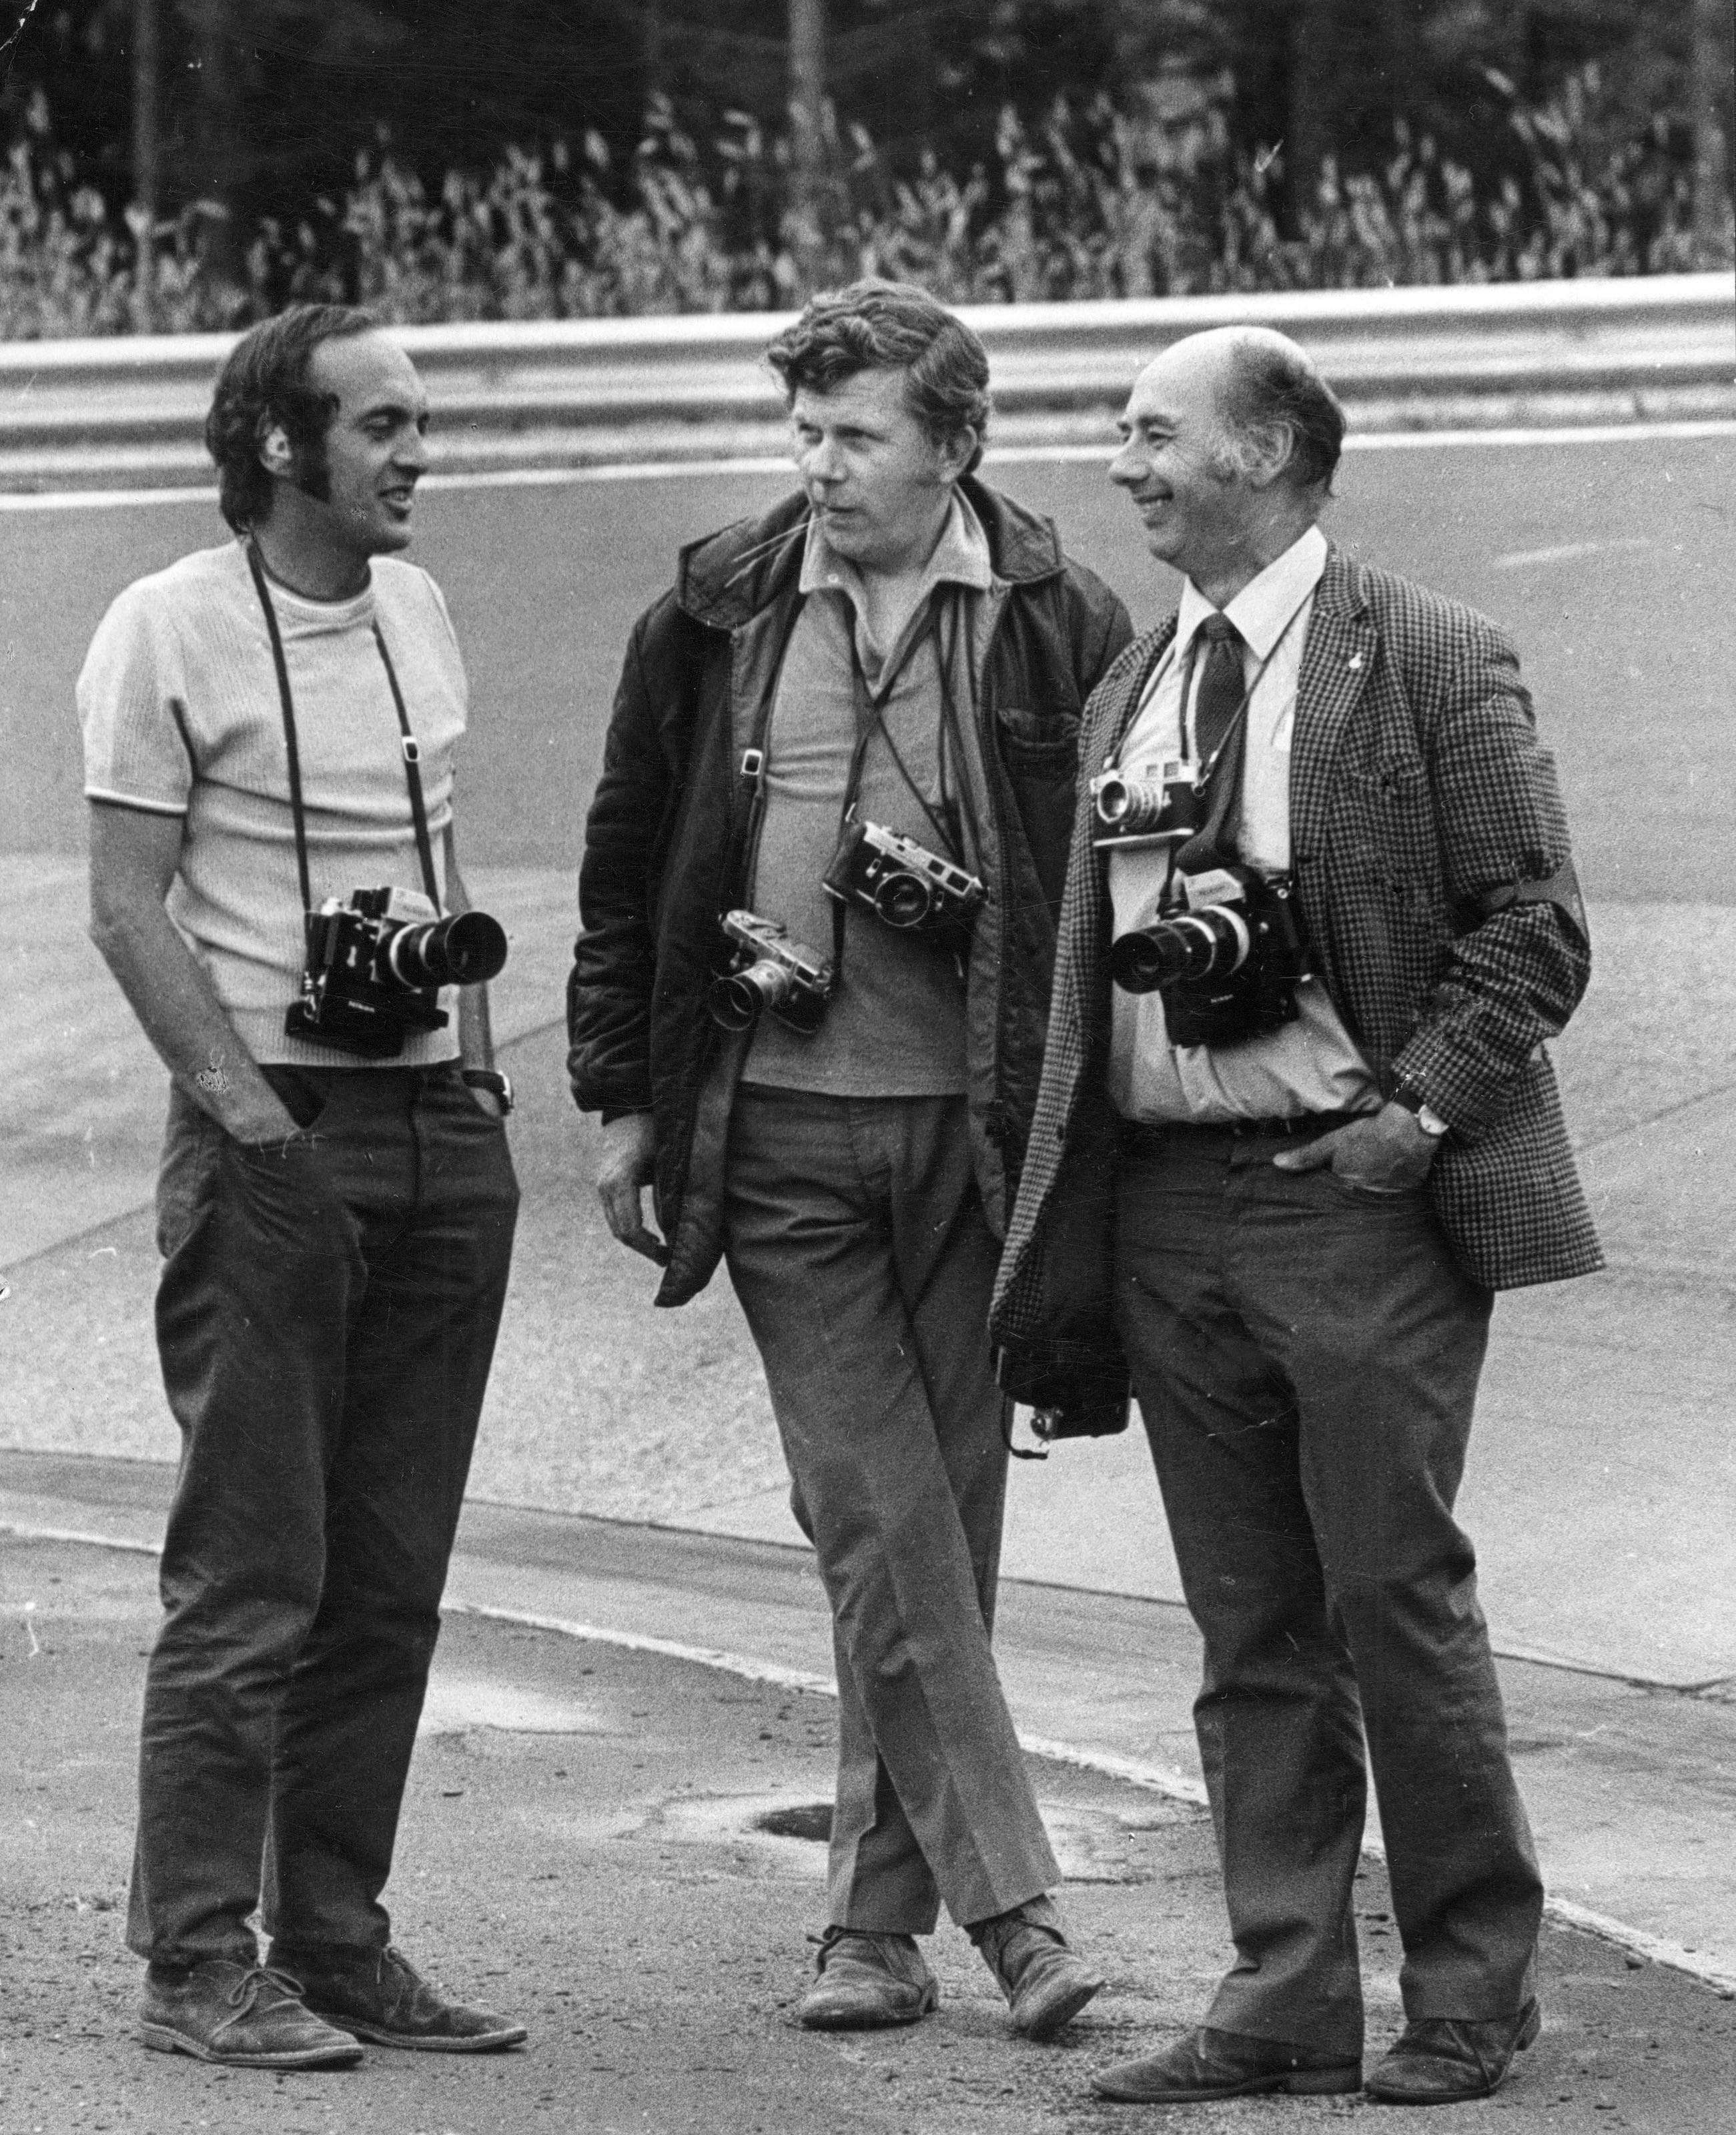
[
  {"x": 1426, "y": 1115},
  {"x": 493, "y": 1080}
]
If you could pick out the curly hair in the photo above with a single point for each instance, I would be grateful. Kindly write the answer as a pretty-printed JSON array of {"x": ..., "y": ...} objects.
[
  {"x": 264, "y": 382},
  {"x": 874, "y": 325}
]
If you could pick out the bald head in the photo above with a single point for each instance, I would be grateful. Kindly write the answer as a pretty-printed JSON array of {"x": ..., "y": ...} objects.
[
  {"x": 1230, "y": 439},
  {"x": 1271, "y": 400}
]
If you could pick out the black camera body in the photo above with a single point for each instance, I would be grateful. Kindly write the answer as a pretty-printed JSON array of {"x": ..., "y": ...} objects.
[
  {"x": 769, "y": 974},
  {"x": 902, "y": 883},
  {"x": 376, "y": 962},
  {"x": 1227, "y": 957},
  {"x": 1150, "y": 804}
]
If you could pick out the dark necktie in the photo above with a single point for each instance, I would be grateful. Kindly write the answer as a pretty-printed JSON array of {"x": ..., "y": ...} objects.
[{"x": 1220, "y": 685}]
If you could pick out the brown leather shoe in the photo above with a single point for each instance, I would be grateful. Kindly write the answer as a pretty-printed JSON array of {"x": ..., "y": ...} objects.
[
  {"x": 238, "y": 2016},
  {"x": 1045, "y": 1982},
  {"x": 378, "y": 1994},
  {"x": 866, "y": 1981},
  {"x": 1443, "y": 2060},
  {"x": 1209, "y": 2064}
]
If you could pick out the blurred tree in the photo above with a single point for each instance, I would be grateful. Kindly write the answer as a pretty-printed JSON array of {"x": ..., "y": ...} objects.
[{"x": 263, "y": 105}]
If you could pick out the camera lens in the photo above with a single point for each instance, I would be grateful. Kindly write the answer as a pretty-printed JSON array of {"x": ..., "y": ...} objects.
[
  {"x": 903, "y": 900},
  {"x": 1202, "y": 945},
  {"x": 465, "y": 950},
  {"x": 736, "y": 1001},
  {"x": 1130, "y": 805}
]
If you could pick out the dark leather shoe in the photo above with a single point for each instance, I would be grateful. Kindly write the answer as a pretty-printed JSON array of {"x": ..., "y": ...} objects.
[
  {"x": 1443, "y": 2060},
  {"x": 1208, "y": 2064},
  {"x": 866, "y": 1981},
  {"x": 1045, "y": 1982},
  {"x": 378, "y": 1994},
  {"x": 238, "y": 2016}
]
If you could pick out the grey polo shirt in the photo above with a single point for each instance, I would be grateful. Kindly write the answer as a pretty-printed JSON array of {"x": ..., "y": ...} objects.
[{"x": 896, "y": 1024}]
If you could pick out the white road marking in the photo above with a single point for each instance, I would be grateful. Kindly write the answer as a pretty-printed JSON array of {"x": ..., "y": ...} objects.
[
  {"x": 1569, "y": 552},
  {"x": 564, "y": 477},
  {"x": 1132, "y": 1770}
]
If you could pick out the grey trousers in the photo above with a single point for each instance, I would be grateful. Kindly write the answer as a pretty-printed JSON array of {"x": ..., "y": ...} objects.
[
  {"x": 1306, "y": 1355},
  {"x": 857, "y": 1247}
]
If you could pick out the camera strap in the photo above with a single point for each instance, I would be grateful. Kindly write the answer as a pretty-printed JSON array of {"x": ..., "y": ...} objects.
[
  {"x": 298, "y": 806},
  {"x": 870, "y": 720}
]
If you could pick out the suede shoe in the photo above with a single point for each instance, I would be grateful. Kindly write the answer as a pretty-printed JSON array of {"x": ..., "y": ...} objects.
[
  {"x": 1046, "y": 1983},
  {"x": 378, "y": 1994},
  {"x": 1208, "y": 2064},
  {"x": 864, "y": 1981},
  {"x": 1443, "y": 2060},
  {"x": 239, "y": 2016}
]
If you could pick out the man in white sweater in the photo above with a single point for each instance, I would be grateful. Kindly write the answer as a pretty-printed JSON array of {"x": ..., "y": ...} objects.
[{"x": 269, "y": 729}]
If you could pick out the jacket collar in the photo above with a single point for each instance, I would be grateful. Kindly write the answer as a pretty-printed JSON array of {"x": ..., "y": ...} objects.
[{"x": 725, "y": 579}]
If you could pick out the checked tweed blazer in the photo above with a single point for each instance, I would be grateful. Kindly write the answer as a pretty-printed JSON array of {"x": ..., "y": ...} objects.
[{"x": 1419, "y": 794}]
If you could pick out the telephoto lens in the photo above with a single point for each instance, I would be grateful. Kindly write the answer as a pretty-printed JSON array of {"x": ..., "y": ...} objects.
[
  {"x": 465, "y": 949},
  {"x": 1198, "y": 945}
]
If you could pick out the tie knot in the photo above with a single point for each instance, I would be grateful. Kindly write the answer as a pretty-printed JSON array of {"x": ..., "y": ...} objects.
[{"x": 1217, "y": 629}]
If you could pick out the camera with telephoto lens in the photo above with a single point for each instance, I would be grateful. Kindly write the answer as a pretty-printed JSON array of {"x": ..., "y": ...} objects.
[
  {"x": 1145, "y": 806},
  {"x": 771, "y": 974},
  {"x": 1226, "y": 957},
  {"x": 376, "y": 964},
  {"x": 902, "y": 883}
]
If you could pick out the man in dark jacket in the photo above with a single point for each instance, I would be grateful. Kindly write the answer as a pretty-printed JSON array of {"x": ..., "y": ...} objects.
[
  {"x": 1292, "y": 1206},
  {"x": 895, "y": 653}
]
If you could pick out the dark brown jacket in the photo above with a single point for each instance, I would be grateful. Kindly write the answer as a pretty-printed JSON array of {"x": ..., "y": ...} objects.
[{"x": 665, "y": 845}]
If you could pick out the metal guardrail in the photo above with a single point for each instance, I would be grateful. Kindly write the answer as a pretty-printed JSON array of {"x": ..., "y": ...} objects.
[{"x": 573, "y": 392}]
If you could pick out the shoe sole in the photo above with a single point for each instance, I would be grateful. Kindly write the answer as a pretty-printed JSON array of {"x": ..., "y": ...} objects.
[
  {"x": 879, "y": 2019},
  {"x": 484, "y": 2042},
  {"x": 1527, "y": 2037},
  {"x": 165, "y": 2039},
  {"x": 1291, "y": 2083},
  {"x": 1056, "y": 2015}
]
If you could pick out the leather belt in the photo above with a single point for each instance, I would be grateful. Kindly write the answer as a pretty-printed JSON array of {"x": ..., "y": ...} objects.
[{"x": 1301, "y": 1126}]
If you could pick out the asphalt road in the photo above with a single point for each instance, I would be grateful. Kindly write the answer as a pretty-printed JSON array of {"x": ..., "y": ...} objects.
[
  {"x": 1612, "y": 562},
  {"x": 579, "y": 1847}
]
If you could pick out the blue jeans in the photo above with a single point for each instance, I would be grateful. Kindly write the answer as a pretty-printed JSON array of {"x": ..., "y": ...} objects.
[
  {"x": 326, "y": 1320},
  {"x": 1306, "y": 1355}
]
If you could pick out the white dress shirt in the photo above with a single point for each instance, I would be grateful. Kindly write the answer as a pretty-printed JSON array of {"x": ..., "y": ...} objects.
[{"x": 1312, "y": 1065}]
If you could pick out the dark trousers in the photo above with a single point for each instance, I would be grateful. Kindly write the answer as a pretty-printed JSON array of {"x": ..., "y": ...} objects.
[
  {"x": 326, "y": 1320},
  {"x": 858, "y": 1249},
  {"x": 1306, "y": 1355}
]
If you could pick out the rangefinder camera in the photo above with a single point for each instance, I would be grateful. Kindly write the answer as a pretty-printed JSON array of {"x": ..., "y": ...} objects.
[
  {"x": 902, "y": 883},
  {"x": 1227, "y": 964},
  {"x": 376, "y": 963},
  {"x": 1145, "y": 805},
  {"x": 769, "y": 973}
]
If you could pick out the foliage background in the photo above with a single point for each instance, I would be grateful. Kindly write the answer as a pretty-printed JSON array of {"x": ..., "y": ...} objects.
[{"x": 443, "y": 158}]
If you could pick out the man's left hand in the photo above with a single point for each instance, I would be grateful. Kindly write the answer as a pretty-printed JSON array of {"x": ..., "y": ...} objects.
[{"x": 1386, "y": 1152}]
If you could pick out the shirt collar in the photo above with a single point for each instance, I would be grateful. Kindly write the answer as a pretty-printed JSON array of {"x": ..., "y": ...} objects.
[
  {"x": 1266, "y": 603},
  {"x": 961, "y": 557}
]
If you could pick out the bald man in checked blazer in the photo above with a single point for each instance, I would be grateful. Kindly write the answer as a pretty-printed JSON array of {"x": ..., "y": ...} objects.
[{"x": 1290, "y": 1235}]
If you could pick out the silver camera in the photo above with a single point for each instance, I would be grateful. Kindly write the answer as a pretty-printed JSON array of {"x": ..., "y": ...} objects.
[
  {"x": 902, "y": 883},
  {"x": 1145, "y": 805},
  {"x": 769, "y": 974}
]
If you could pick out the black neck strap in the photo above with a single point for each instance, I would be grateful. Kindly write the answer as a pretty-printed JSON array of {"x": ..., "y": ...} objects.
[
  {"x": 871, "y": 720},
  {"x": 411, "y": 747}
]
